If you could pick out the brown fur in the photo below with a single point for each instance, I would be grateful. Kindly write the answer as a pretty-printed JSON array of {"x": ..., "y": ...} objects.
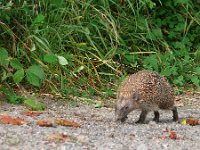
[{"x": 145, "y": 90}]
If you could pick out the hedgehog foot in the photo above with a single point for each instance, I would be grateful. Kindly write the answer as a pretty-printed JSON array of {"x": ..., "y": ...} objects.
[{"x": 156, "y": 116}]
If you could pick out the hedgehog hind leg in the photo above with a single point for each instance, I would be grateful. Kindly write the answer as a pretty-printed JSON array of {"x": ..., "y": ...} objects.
[
  {"x": 142, "y": 116},
  {"x": 156, "y": 116},
  {"x": 175, "y": 113}
]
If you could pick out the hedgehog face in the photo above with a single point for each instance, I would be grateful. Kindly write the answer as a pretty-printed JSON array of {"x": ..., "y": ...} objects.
[{"x": 124, "y": 106}]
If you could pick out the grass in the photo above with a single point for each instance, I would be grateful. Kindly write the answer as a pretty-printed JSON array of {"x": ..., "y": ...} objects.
[{"x": 96, "y": 43}]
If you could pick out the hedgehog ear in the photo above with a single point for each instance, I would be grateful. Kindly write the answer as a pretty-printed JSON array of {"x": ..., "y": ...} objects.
[{"x": 135, "y": 96}]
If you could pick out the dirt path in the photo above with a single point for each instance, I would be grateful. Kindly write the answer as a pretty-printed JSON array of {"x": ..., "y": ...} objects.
[{"x": 99, "y": 131}]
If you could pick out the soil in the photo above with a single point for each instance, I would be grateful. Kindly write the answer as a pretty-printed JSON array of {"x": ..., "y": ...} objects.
[{"x": 98, "y": 130}]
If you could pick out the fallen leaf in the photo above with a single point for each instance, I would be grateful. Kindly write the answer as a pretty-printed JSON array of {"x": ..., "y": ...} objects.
[
  {"x": 172, "y": 135},
  {"x": 184, "y": 122},
  {"x": 4, "y": 119},
  {"x": 192, "y": 121},
  {"x": 31, "y": 113},
  {"x": 64, "y": 122},
  {"x": 44, "y": 123}
]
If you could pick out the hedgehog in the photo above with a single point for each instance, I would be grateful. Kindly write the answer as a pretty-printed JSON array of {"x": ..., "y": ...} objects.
[{"x": 146, "y": 91}]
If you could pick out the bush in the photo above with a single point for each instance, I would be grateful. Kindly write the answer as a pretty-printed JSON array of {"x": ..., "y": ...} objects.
[{"x": 84, "y": 47}]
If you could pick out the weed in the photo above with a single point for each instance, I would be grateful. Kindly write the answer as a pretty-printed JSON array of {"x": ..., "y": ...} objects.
[{"x": 83, "y": 48}]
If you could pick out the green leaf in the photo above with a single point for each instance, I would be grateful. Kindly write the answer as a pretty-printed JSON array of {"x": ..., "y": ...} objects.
[
  {"x": 151, "y": 62},
  {"x": 62, "y": 60},
  {"x": 58, "y": 3},
  {"x": 197, "y": 54},
  {"x": 197, "y": 70},
  {"x": 11, "y": 97},
  {"x": 39, "y": 19},
  {"x": 79, "y": 69},
  {"x": 35, "y": 75},
  {"x": 181, "y": 2},
  {"x": 99, "y": 104},
  {"x": 37, "y": 71},
  {"x": 168, "y": 71},
  {"x": 157, "y": 33},
  {"x": 130, "y": 57},
  {"x": 179, "y": 81},
  {"x": 33, "y": 79},
  {"x": 109, "y": 92},
  {"x": 195, "y": 80},
  {"x": 50, "y": 58},
  {"x": 15, "y": 99},
  {"x": 34, "y": 105},
  {"x": 15, "y": 63},
  {"x": 18, "y": 76},
  {"x": 3, "y": 57}
]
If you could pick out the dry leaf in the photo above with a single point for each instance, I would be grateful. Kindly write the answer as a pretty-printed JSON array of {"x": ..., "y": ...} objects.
[
  {"x": 172, "y": 135},
  {"x": 31, "y": 113},
  {"x": 184, "y": 122},
  {"x": 64, "y": 122},
  {"x": 192, "y": 121},
  {"x": 44, "y": 123},
  {"x": 4, "y": 119}
]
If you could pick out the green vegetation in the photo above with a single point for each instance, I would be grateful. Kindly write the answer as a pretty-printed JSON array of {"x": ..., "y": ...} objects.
[
  {"x": 34, "y": 105},
  {"x": 85, "y": 47}
]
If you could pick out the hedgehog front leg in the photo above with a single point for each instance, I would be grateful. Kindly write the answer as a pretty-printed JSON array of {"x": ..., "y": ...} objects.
[
  {"x": 142, "y": 116},
  {"x": 156, "y": 116},
  {"x": 175, "y": 114}
]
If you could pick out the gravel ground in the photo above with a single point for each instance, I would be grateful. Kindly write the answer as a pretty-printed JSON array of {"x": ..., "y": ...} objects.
[{"x": 98, "y": 131}]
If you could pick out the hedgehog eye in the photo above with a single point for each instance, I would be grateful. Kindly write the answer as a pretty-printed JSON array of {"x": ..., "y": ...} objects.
[{"x": 126, "y": 107}]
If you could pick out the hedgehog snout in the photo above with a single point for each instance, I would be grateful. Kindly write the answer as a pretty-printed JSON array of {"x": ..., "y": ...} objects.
[
  {"x": 120, "y": 118},
  {"x": 120, "y": 115}
]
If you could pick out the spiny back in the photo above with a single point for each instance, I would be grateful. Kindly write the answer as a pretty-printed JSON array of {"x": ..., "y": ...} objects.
[{"x": 151, "y": 86}]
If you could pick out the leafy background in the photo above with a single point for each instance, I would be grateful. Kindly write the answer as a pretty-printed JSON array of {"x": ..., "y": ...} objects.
[{"x": 85, "y": 48}]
